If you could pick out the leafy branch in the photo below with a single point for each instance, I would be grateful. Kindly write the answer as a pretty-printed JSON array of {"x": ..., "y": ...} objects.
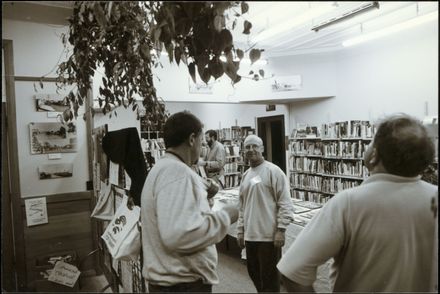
[{"x": 121, "y": 37}]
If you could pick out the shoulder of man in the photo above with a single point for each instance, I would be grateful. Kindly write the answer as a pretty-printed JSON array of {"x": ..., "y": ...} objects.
[{"x": 273, "y": 167}]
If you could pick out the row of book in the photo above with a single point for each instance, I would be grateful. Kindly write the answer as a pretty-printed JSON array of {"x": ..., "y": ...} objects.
[
  {"x": 316, "y": 183},
  {"x": 232, "y": 150},
  {"x": 231, "y": 181},
  {"x": 343, "y": 168},
  {"x": 306, "y": 147},
  {"x": 343, "y": 129},
  {"x": 231, "y": 167},
  {"x": 345, "y": 149},
  {"x": 152, "y": 144},
  {"x": 234, "y": 133},
  {"x": 310, "y": 196},
  {"x": 348, "y": 129},
  {"x": 328, "y": 166}
]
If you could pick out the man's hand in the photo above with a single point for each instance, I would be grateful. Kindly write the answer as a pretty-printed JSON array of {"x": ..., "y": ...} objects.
[
  {"x": 201, "y": 162},
  {"x": 279, "y": 239},
  {"x": 240, "y": 240}
]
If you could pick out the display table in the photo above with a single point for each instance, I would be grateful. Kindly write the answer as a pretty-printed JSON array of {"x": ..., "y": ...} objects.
[{"x": 304, "y": 211}]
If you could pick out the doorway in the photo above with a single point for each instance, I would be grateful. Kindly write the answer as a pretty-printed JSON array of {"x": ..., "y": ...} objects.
[{"x": 271, "y": 131}]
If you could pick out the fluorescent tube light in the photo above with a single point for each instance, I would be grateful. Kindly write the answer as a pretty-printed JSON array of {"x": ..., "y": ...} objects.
[
  {"x": 294, "y": 21},
  {"x": 347, "y": 15},
  {"x": 391, "y": 29}
]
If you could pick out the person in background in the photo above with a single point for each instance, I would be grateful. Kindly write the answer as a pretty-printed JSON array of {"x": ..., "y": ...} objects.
[
  {"x": 381, "y": 233},
  {"x": 215, "y": 159},
  {"x": 265, "y": 211},
  {"x": 179, "y": 230}
]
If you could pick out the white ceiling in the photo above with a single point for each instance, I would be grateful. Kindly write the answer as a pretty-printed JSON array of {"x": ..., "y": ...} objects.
[
  {"x": 302, "y": 39},
  {"x": 265, "y": 15}
]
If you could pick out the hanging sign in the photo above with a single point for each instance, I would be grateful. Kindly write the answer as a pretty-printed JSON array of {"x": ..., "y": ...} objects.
[{"x": 65, "y": 274}]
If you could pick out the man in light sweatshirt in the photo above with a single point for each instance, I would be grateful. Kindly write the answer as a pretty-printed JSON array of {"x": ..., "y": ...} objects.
[
  {"x": 265, "y": 211},
  {"x": 179, "y": 230},
  {"x": 382, "y": 235}
]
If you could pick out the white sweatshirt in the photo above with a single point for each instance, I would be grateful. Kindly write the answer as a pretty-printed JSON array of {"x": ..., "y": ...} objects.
[
  {"x": 179, "y": 230},
  {"x": 264, "y": 202}
]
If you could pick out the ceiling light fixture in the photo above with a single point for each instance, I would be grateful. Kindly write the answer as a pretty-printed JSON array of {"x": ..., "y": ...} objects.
[
  {"x": 391, "y": 29},
  {"x": 294, "y": 22},
  {"x": 345, "y": 16}
]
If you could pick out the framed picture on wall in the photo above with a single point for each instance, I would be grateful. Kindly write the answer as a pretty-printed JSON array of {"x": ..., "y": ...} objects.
[
  {"x": 286, "y": 83},
  {"x": 53, "y": 137},
  {"x": 57, "y": 170},
  {"x": 199, "y": 87},
  {"x": 51, "y": 103}
]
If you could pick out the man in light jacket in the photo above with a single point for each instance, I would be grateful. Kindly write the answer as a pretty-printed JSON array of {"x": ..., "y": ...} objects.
[
  {"x": 179, "y": 230},
  {"x": 215, "y": 159}
]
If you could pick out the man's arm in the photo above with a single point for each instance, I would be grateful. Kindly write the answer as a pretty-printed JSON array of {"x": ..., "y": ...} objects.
[
  {"x": 292, "y": 286},
  {"x": 283, "y": 200}
]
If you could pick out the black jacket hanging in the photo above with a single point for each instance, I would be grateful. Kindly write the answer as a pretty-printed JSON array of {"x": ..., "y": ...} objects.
[{"x": 124, "y": 147}]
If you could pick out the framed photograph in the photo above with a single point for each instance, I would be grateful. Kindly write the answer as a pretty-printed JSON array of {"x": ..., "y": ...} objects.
[
  {"x": 51, "y": 103},
  {"x": 286, "y": 83},
  {"x": 53, "y": 137},
  {"x": 54, "y": 171},
  {"x": 199, "y": 87}
]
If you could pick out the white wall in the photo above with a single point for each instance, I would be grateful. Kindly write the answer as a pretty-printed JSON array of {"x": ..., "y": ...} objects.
[
  {"x": 172, "y": 80},
  {"x": 397, "y": 73},
  {"x": 225, "y": 115},
  {"x": 36, "y": 50}
]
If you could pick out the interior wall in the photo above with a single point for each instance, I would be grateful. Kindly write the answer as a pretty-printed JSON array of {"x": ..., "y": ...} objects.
[
  {"x": 37, "y": 51},
  {"x": 317, "y": 76},
  {"x": 225, "y": 115},
  {"x": 397, "y": 73}
]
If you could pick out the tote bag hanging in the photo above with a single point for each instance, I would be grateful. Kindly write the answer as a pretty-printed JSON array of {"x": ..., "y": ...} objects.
[
  {"x": 104, "y": 209},
  {"x": 122, "y": 236}
]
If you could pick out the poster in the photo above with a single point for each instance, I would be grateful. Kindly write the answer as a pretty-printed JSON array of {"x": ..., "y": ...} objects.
[{"x": 36, "y": 211}]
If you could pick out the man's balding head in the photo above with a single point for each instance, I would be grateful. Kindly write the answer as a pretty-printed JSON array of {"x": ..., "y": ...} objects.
[{"x": 403, "y": 145}]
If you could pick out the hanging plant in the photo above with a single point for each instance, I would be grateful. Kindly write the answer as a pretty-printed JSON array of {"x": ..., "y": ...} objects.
[{"x": 126, "y": 38}]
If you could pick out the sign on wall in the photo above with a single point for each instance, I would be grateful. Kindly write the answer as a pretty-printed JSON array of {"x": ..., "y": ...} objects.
[{"x": 36, "y": 211}]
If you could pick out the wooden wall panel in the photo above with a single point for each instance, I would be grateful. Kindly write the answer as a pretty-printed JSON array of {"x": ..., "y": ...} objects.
[{"x": 69, "y": 229}]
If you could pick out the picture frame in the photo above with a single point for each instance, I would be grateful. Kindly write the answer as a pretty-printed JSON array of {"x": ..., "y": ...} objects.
[
  {"x": 52, "y": 137},
  {"x": 54, "y": 171},
  {"x": 199, "y": 87},
  {"x": 50, "y": 103},
  {"x": 286, "y": 83}
]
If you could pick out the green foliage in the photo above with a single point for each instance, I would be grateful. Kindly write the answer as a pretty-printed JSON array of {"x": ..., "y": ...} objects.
[{"x": 121, "y": 36}]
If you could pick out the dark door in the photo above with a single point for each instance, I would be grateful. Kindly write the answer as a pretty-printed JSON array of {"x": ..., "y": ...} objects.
[{"x": 271, "y": 131}]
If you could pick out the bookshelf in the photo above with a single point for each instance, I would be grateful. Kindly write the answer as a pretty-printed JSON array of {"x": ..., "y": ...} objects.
[
  {"x": 232, "y": 139},
  {"x": 326, "y": 160}
]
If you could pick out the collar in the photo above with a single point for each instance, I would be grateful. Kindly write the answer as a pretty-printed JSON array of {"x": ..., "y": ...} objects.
[
  {"x": 176, "y": 155},
  {"x": 390, "y": 178}
]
